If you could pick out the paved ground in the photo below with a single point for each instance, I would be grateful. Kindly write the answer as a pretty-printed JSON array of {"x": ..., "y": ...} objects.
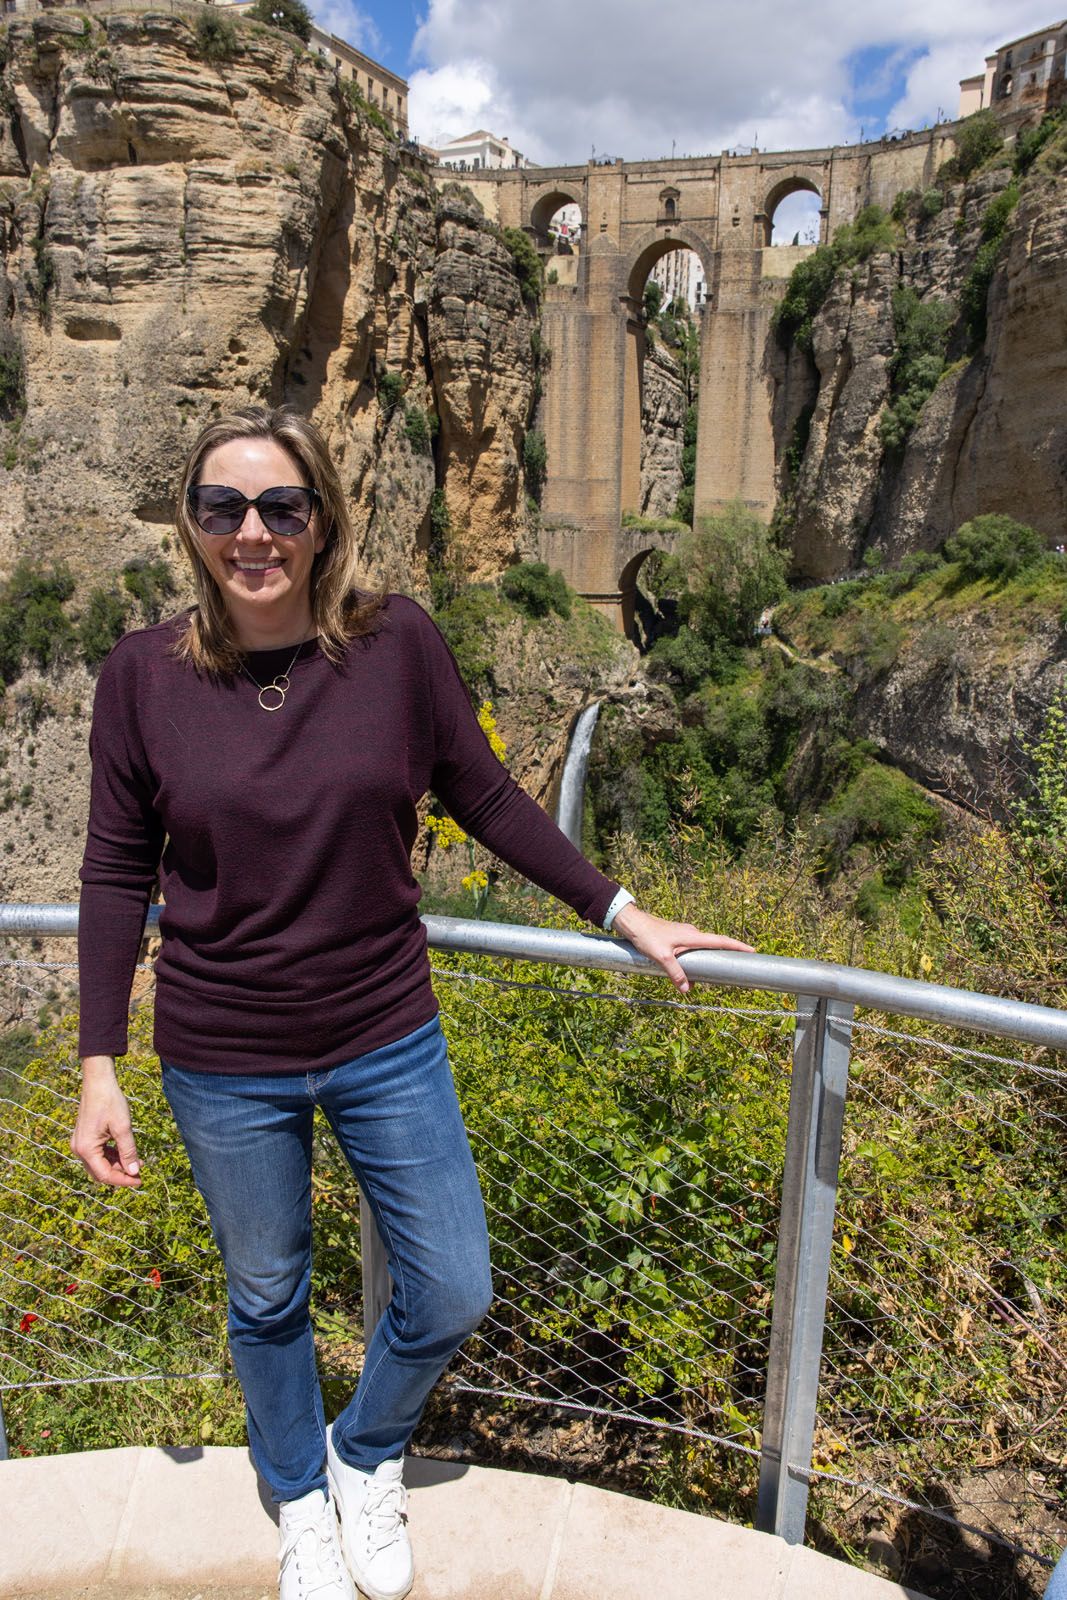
[{"x": 192, "y": 1525}]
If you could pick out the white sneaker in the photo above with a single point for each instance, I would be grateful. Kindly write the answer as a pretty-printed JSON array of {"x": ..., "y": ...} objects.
[
  {"x": 310, "y": 1565},
  {"x": 372, "y": 1508}
]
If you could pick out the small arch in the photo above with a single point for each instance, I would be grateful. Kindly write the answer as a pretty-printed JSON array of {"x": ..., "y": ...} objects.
[
  {"x": 784, "y": 189},
  {"x": 669, "y": 204},
  {"x": 648, "y": 251},
  {"x": 545, "y": 209},
  {"x": 635, "y": 627}
]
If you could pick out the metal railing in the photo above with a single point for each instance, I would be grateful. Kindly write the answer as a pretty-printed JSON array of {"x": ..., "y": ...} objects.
[{"x": 720, "y": 1238}]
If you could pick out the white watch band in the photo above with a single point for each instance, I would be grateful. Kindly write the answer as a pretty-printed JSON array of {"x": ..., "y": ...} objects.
[{"x": 623, "y": 898}]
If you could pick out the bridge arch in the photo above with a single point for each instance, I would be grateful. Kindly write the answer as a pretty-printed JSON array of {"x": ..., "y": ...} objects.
[
  {"x": 791, "y": 183},
  {"x": 652, "y": 247},
  {"x": 545, "y": 206}
]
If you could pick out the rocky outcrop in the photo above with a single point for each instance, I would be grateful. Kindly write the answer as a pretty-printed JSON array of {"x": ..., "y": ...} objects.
[
  {"x": 992, "y": 411},
  {"x": 960, "y": 693},
  {"x": 482, "y": 359},
  {"x": 663, "y": 406}
]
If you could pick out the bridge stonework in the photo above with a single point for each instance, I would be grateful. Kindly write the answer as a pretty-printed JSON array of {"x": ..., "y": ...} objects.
[{"x": 632, "y": 214}]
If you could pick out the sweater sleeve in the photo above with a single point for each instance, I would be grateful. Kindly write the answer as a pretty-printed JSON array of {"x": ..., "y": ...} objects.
[
  {"x": 122, "y": 854},
  {"x": 485, "y": 800}
]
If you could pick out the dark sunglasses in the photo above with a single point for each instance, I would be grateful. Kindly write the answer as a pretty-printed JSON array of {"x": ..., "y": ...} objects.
[{"x": 219, "y": 509}]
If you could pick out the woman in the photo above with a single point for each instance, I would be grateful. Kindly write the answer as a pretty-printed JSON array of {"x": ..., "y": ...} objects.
[{"x": 264, "y": 754}]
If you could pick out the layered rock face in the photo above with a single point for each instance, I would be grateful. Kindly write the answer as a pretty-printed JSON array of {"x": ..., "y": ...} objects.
[
  {"x": 179, "y": 237},
  {"x": 663, "y": 406},
  {"x": 992, "y": 437}
]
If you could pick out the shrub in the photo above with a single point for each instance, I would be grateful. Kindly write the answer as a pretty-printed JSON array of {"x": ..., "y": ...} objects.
[
  {"x": 683, "y": 658},
  {"x": 998, "y": 211},
  {"x": 32, "y": 620},
  {"x": 101, "y": 625},
  {"x": 974, "y": 293},
  {"x": 390, "y": 387},
  {"x": 535, "y": 461},
  {"x": 362, "y": 105},
  {"x": 734, "y": 571},
  {"x": 994, "y": 546},
  {"x": 420, "y": 428},
  {"x": 467, "y": 624},
  {"x": 44, "y": 273},
  {"x": 291, "y": 16},
  {"x": 932, "y": 203},
  {"x": 652, "y": 299},
  {"x": 12, "y": 381},
  {"x": 528, "y": 266},
  {"x": 921, "y": 330},
  {"x": 978, "y": 139},
  {"x": 880, "y": 806},
  {"x": 216, "y": 36},
  {"x": 537, "y": 591},
  {"x": 810, "y": 281},
  {"x": 151, "y": 584},
  {"x": 1030, "y": 143}
]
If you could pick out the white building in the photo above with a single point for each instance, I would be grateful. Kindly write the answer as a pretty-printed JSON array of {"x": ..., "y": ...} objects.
[
  {"x": 477, "y": 151},
  {"x": 681, "y": 276},
  {"x": 1021, "y": 74}
]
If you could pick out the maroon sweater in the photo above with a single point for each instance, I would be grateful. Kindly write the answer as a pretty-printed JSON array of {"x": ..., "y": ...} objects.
[{"x": 291, "y": 935}]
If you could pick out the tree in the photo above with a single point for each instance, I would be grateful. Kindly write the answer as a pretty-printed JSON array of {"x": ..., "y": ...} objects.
[{"x": 291, "y": 16}]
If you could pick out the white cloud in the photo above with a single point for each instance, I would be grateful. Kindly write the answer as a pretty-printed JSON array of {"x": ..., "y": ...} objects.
[
  {"x": 348, "y": 22},
  {"x": 632, "y": 78}
]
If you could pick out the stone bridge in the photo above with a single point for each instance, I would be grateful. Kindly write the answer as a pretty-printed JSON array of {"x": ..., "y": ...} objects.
[{"x": 632, "y": 214}]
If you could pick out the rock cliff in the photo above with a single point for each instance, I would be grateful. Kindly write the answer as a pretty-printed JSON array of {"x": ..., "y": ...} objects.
[
  {"x": 663, "y": 405},
  {"x": 995, "y": 407}
]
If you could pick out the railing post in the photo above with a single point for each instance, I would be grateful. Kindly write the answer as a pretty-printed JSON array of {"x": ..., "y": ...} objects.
[
  {"x": 377, "y": 1284},
  {"x": 821, "y": 1047},
  {"x": 3, "y": 1432}
]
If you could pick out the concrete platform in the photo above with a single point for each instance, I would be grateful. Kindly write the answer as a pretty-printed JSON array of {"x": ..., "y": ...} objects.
[{"x": 193, "y": 1524}]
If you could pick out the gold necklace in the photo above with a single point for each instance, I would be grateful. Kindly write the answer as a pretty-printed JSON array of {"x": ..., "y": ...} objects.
[{"x": 279, "y": 686}]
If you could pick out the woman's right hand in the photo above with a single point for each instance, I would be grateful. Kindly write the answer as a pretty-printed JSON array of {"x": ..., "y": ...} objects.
[{"x": 103, "y": 1134}]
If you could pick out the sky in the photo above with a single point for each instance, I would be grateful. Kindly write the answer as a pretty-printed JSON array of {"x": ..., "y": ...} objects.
[{"x": 643, "y": 79}]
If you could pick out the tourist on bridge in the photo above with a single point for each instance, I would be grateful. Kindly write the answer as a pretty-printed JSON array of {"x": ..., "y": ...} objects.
[{"x": 264, "y": 755}]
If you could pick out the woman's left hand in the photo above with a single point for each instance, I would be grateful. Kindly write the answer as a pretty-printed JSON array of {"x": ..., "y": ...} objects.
[{"x": 664, "y": 941}]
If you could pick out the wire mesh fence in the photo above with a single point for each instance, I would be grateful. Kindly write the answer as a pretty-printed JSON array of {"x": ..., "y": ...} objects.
[{"x": 632, "y": 1154}]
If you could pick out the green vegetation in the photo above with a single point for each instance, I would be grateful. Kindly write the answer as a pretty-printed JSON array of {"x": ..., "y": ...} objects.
[
  {"x": 468, "y": 621},
  {"x": 1040, "y": 814},
  {"x": 150, "y": 581},
  {"x": 921, "y": 330},
  {"x": 979, "y": 139},
  {"x": 372, "y": 114},
  {"x": 652, "y": 299},
  {"x": 535, "y": 462},
  {"x": 994, "y": 547},
  {"x": 291, "y": 16},
  {"x": 528, "y": 266},
  {"x": 420, "y": 428},
  {"x": 43, "y": 278},
  {"x": 216, "y": 36},
  {"x": 390, "y": 387},
  {"x": 974, "y": 294},
  {"x": 33, "y": 625},
  {"x": 809, "y": 283},
  {"x": 537, "y": 591},
  {"x": 12, "y": 382},
  {"x": 683, "y": 508},
  {"x": 101, "y": 625}
]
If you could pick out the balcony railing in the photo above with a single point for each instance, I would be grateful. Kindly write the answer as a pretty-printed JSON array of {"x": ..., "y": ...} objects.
[{"x": 825, "y": 1249}]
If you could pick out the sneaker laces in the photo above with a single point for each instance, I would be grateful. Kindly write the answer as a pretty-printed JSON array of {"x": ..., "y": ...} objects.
[
  {"x": 312, "y": 1545},
  {"x": 384, "y": 1513}
]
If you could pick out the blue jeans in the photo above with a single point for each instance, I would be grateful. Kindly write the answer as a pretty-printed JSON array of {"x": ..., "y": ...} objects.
[
  {"x": 1057, "y": 1584},
  {"x": 397, "y": 1120}
]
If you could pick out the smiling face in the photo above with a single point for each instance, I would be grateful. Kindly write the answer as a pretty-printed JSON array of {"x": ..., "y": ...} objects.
[{"x": 264, "y": 578}]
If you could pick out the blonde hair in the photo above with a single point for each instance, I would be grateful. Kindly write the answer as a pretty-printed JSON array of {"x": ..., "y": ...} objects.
[{"x": 340, "y": 610}]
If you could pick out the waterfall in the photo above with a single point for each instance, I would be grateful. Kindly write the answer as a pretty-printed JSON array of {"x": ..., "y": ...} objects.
[{"x": 572, "y": 785}]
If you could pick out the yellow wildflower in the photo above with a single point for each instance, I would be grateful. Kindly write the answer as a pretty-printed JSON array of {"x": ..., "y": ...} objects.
[
  {"x": 487, "y": 723},
  {"x": 476, "y": 880},
  {"x": 446, "y": 832}
]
